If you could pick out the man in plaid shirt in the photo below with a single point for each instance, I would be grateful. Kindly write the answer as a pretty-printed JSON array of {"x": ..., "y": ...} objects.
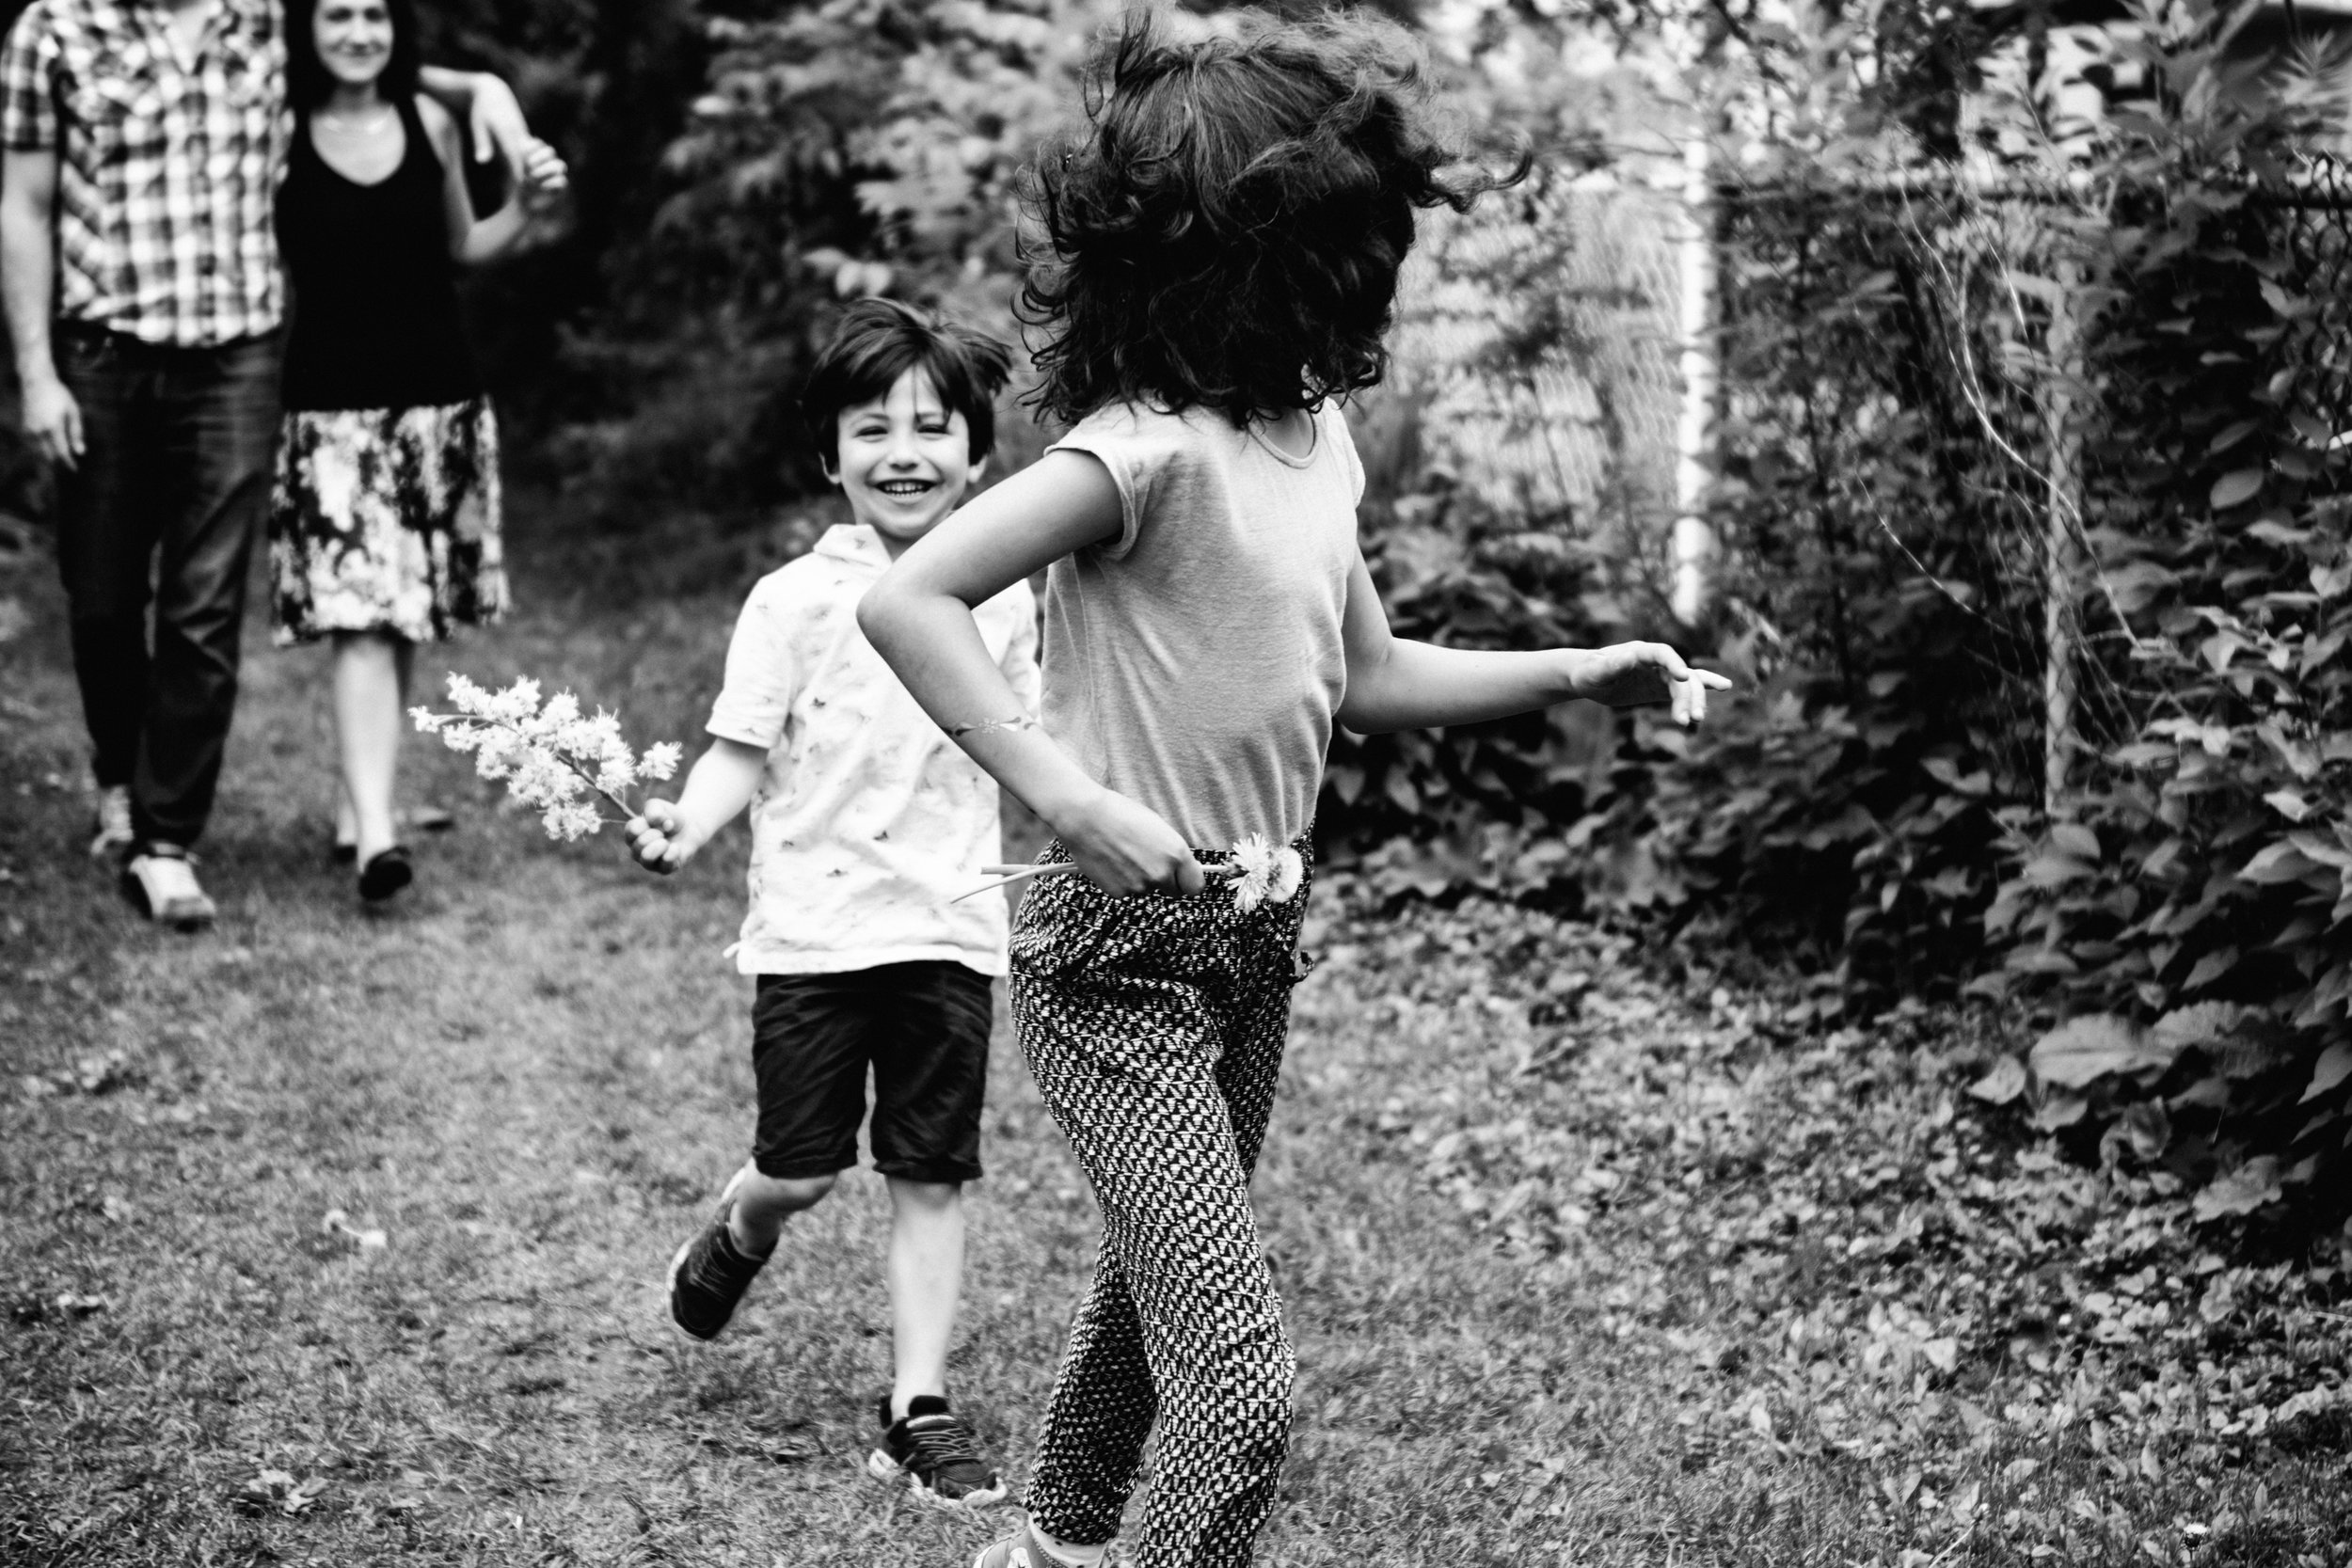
[{"x": 139, "y": 268}]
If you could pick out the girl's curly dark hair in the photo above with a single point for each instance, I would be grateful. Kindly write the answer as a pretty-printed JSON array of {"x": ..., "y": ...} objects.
[{"x": 1227, "y": 228}]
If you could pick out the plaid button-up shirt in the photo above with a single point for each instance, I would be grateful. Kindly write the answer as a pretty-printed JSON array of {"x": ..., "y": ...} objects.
[{"x": 167, "y": 169}]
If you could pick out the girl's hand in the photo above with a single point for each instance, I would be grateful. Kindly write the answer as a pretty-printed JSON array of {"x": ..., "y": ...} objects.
[
  {"x": 1624, "y": 674},
  {"x": 653, "y": 838},
  {"x": 1125, "y": 848}
]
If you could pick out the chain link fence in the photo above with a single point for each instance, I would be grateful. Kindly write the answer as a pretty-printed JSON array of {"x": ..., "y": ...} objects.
[
  {"x": 1916, "y": 389},
  {"x": 1537, "y": 339}
]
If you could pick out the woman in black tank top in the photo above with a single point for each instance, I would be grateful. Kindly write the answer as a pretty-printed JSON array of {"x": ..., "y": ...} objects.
[{"x": 383, "y": 525}]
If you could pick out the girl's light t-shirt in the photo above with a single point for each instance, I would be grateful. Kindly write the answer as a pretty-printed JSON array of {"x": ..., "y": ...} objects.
[{"x": 1194, "y": 662}]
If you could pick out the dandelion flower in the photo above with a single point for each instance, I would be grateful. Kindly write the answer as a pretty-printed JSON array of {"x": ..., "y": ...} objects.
[{"x": 1262, "y": 872}]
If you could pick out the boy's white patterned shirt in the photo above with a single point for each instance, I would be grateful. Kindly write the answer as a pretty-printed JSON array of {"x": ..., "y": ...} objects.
[
  {"x": 869, "y": 819},
  {"x": 167, "y": 168}
]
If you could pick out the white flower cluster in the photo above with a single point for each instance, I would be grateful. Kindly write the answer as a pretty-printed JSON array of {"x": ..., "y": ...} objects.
[
  {"x": 550, "y": 756},
  {"x": 1260, "y": 872}
]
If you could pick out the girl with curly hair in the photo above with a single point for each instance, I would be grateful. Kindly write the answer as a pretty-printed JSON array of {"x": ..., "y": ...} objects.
[{"x": 1222, "y": 241}]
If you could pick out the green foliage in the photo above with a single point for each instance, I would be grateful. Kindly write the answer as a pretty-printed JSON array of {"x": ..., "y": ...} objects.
[
  {"x": 1850, "y": 1258},
  {"x": 1908, "y": 362},
  {"x": 853, "y": 147},
  {"x": 2201, "y": 881}
]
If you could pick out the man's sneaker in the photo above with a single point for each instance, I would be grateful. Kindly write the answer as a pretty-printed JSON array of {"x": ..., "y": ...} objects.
[
  {"x": 161, "y": 881},
  {"x": 1020, "y": 1549},
  {"x": 709, "y": 1276},
  {"x": 936, "y": 1454},
  {"x": 110, "y": 833}
]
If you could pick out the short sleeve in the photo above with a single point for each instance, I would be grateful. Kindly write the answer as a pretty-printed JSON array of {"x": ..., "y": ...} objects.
[
  {"x": 1137, "y": 445},
  {"x": 29, "y": 105},
  {"x": 1344, "y": 440},
  {"x": 763, "y": 672}
]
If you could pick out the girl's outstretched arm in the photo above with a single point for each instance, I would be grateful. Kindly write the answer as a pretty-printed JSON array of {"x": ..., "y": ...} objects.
[
  {"x": 1393, "y": 684},
  {"x": 919, "y": 619}
]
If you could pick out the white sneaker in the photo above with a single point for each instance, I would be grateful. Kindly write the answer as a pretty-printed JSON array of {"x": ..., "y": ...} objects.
[
  {"x": 165, "y": 886},
  {"x": 111, "y": 833}
]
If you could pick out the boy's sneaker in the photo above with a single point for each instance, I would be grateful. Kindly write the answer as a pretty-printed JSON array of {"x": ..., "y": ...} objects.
[
  {"x": 161, "y": 881},
  {"x": 110, "y": 832},
  {"x": 935, "y": 1451},
  {"x": 710, "y": 1275}
]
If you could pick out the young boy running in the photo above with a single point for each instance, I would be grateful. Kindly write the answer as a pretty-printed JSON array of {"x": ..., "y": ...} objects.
[{"x": 866, "y": 822}]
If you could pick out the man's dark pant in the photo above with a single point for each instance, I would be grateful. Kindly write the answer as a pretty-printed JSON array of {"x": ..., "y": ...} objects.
[{"x": 178, "y": 447}]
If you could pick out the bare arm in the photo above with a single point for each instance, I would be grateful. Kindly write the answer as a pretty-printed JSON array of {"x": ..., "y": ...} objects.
[
  {"x": 722, "y": 784},
  {"x": 28, "y": 194},
  {"x": 1395, "y": 683},
  {"x": 919, "y": 619},
  {"x": 493, "y": 116},
  {"x": 473, "y": 239}
]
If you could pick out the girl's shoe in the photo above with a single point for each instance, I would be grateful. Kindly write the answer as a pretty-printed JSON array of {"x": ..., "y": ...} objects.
[
  {"x": 936, "y": 1454},
  {"x": 386, "y": 872},
  {"x": 1020, "y": 1549}
]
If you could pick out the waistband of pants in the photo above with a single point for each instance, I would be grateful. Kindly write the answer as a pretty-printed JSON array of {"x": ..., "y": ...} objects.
[
  {"x": 1056, "y": 853},
  {"x": 89, "y": 334}
]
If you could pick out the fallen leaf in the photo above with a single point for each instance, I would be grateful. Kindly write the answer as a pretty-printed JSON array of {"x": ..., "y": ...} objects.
[
  {"x": 2002, "y": 1083},
  {"x": 2082, "y": 1051},
  {"x": 2241, "y": 1191},
  {"x": 336, "y": 1223}
]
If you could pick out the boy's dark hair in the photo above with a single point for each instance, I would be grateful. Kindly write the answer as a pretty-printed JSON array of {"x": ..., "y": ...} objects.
[
  {"x": 308, "y": 84},
  {"x": 1227, "y": 229},
  {"x": 879, "y": 341}
]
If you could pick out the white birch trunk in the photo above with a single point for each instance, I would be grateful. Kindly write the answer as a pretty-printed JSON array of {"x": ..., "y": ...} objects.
[{"x": 1694, "y": 545}]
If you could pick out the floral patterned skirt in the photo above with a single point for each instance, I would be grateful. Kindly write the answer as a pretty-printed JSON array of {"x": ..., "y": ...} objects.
[{"x": 387, "y": 520}]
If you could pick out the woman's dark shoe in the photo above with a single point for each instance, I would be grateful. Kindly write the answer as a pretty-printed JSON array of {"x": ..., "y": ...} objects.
[
  {"x": 343, "y": 852},
  {"x": 386, "y": 873}
]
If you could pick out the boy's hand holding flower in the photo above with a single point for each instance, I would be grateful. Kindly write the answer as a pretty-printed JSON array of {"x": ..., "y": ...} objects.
[
  {"x": 657, "y": 837},
  {"x": 1624, "y": 674}
]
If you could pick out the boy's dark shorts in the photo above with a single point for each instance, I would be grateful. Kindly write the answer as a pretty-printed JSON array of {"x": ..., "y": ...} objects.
[{"x": 923, "y": 1027}]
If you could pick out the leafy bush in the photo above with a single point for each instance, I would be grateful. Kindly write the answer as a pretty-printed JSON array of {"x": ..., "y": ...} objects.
[
  {"x": 851, "y": 147},
  {"x": 2195, "y": 906},
  {"x": 1899, "y": 394}
]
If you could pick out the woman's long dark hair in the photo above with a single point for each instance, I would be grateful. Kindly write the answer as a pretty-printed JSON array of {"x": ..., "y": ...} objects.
[
  {"x": 1225, "y": 229},
  {"x": 308, "y": 83}
]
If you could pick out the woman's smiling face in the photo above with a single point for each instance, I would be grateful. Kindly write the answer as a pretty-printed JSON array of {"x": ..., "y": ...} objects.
[
  {"x": 353, "y": 40},
  {"x": 904, "y": 459}
]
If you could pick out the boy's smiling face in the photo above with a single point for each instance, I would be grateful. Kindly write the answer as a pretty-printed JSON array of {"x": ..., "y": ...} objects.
[{"x": 904, "y": 459}]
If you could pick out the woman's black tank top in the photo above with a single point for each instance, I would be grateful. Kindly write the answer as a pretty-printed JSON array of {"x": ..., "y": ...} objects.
[{"x": 376, "y": 316}]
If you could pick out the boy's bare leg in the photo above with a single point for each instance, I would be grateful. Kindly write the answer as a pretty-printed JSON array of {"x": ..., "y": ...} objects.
[
  {"x": 926, "y": 1281},
  {"x": 763, "y": 1203}
]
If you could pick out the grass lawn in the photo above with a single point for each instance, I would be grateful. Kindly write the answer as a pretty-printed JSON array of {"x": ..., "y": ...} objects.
[{"x": 1585, "y": 1264}]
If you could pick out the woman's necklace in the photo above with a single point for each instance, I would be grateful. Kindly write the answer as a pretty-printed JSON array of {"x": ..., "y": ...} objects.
[{"x": 383, "y": 116}]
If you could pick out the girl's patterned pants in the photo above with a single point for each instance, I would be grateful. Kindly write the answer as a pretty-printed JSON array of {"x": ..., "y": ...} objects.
[{"x": 1155, "y": 1029}]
